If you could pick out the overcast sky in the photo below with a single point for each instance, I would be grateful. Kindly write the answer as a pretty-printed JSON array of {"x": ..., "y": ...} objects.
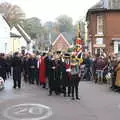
[{"x": 48, "y": 10}]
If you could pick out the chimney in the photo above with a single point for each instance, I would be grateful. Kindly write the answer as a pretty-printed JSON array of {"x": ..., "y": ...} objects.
[{"x": 105, "y": 3}]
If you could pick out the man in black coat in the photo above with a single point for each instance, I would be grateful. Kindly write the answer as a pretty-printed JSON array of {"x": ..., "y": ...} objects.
[
  {"x": 63, "y": 77},
  {"x": 58, "y": 72},
  {"x": 26, "y": 67},
  {"x": 33, "y": 69},
  {"x": 51, "y": 75},
  {"x": 3, "y": 66},
  {"x": 16, "y": 63}
]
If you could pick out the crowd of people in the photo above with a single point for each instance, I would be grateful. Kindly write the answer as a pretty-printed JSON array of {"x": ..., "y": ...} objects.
[
  {"x": 47, "y": 70},
  {"x": 61, "y": 73}
]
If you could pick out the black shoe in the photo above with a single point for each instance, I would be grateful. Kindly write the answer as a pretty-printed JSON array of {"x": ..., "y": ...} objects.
[
  {"x": 78, "y": 98},
  {"x": 43, "y": 87},
  {"x": 14, "y": 87},
  {"x": 116, "y": 90},
  {"x": 73, "y": 98},
  {"x": 32, "y": 82},
  {"x": 57, "y": 93},
  {"x": 68, "y": 95},
  {"x": 64, "y": 95}
]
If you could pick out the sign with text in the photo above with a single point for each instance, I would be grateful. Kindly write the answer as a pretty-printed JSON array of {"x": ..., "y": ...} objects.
[{"x": 99, "y": 41}]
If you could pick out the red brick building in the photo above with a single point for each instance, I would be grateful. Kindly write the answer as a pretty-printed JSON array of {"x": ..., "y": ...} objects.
[
  {"x": 60, "y": 44},
  {"x": 104, "y": 26}
]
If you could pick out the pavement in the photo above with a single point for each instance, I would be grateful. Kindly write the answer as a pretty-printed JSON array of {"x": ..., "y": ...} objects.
[{"x": 31, "y": 102}]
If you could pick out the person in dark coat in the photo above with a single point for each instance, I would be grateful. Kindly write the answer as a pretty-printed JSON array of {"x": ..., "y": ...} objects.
[
  {"x": 58, "y": 79},
  {"x": 88, "y": 64},
  {"x": 3, "y": 66},
  {"x": 114, "y": 65},
  {"x": 47, "y": 60},
  {"x": 26, "y": 67},
  {"x": 52, "y": 75},
  {"x": 16, "y": 63},
  {"x": 100, "y": 66},
  {"x": 37, "y": 71},
  {"x": 66, "y": 75},
  {"x": 32, "y": 69}
]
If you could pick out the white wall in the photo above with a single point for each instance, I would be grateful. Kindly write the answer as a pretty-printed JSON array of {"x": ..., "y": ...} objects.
[
  {"x": 22, "y": 41},
  {"x": 4, "y": 35}
]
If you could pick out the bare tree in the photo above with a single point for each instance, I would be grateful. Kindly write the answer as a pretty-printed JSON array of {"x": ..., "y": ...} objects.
[{"x": 12, "y": 13}]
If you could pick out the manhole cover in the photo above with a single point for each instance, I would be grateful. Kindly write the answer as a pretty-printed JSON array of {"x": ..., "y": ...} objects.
[{"x": 28, "y": 112}]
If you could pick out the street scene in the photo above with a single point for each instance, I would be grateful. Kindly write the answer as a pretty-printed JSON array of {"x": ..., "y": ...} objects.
[
  {"x": 59, "y": 64},
  {"x": 97, "y": 102}
]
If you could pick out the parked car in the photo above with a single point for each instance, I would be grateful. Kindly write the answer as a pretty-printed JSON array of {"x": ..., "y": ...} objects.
[{"x": 1, "y": 83}]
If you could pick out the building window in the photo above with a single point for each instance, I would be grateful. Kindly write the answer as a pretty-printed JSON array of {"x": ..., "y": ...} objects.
[
  {"x": 118, "y": 47},
  {"x": 100, "y": 24}
]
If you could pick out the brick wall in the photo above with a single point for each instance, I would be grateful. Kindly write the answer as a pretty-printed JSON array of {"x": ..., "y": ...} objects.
[
  {"x": 111, "y": 28},
  {"x": 60, "y": 45}
]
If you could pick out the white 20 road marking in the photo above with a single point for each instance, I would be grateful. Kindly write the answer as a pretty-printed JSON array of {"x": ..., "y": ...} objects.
[
  {"x": 22, "y": 111},
  {"x": 32, "y": 110},
  {"x": 29, "y": 110},
  {"x": 25, "y": 109}
]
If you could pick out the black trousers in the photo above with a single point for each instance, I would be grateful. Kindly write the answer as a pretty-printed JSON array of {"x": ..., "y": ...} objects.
[
  {"x": 88, "y": 74},
  {"x": 17, "y": 83},
  {"x": 37, "y": 76},
  {"x": 75, "y": 84},
  {"x": 68, "y": 89},
  {"x": 113, "y": 80},
  {"x": 17, "y": 77},
  {"x": 32, "y": 75},
  {"x": 67, "y": 86},
  {"x": 50, "y": 83},
  {"x": 26, "y": 75}
]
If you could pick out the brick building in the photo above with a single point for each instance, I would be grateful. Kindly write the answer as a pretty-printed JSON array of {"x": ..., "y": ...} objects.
[
  {"x": 60, "y": 44},
  {"x": 104, "y": 27}
]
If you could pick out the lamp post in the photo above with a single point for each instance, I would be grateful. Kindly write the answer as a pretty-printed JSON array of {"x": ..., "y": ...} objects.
[{"x": 50, "y": 46}]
